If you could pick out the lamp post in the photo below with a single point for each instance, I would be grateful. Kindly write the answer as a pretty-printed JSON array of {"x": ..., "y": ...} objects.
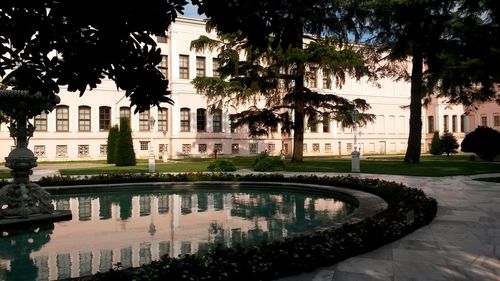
[
  {"x": 151, "y": 162},
  {"x": 355, "y": 152}
]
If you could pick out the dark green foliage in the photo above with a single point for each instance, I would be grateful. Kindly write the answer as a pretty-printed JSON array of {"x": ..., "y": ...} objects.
[
  {"x": 436, "y": 144},
  {"x": 113, "y": 135},
  {"x": 112, "y": 42},
  {"x": 483, "y": 141},
  {"x": 269, "y": 164},
  {"x": 408, "y": 209},
  {"x": 449, "y": 143},
  {"x": 221, "y": 165},
  {"x": 124, "y": 151}
]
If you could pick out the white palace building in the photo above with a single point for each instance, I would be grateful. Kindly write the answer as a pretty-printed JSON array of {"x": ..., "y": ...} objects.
[{"x": 78, "y": 128}]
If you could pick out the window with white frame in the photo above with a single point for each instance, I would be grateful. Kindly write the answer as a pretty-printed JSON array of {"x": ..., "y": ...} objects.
[
  {"x": 312, "y": 76},
  {"x": 84, "y": 118},
  {"x": 326, "y": 122},
  {"x": 125, "y": 113},
  {"x": 215, "y": 68},
  {"x": 163, "y": 67},
  {"x": 271, "y": 148},
  {"x": 484, "y": 121},
  {"x": 446, "y": 123},
  {"x": 327, "y": 81},
  {"x": 430, "y": 124},
  {"x": 454, "y": 123},
  {"x": 328, "y": 147},
  {"x": 496, "y": 121},
  {"x": 162, "y": 148},
  {"x": 201, "y": 120}
]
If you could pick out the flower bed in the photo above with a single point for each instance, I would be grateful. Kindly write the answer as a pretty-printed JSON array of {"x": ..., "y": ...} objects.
[{"x": 408, "y": 209}]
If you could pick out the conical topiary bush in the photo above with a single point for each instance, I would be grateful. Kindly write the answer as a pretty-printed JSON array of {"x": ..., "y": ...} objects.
[{"x": 124, "y": 151}]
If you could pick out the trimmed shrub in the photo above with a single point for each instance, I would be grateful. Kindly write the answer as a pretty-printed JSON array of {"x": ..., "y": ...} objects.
[
  {"x": 259, "y": 157},
  {"x": 221, "y": 165},
  {"x": 111, "y": 147},
  {"x": 436, "y": 144},
  {"x": 484, "y": 142},
  {"x": 124, "y": 151},
  {"x": 449, "y": 143},
  {"x": 269, "y": 164}
]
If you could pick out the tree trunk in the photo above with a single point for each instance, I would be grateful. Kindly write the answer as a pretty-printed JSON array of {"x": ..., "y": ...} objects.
[
  {"x": 415, "y": 135},
  {"x": 298, "y": 131}
]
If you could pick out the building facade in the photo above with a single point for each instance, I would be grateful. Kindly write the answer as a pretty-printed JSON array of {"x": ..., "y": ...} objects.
[{"x": 77, "y": 129}]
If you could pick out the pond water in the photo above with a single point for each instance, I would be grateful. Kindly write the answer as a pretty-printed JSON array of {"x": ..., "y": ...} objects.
[{"x": 134, "y": 227}]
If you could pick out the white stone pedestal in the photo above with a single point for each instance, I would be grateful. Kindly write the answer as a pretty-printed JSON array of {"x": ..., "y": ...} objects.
[{"x": 355, "y": 162}]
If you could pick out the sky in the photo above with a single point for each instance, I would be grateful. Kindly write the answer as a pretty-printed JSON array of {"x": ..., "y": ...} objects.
[{"x": 192, "y": 11}]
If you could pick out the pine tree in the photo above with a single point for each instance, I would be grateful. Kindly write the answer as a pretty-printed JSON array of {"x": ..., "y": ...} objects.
[
  {"x": 111, "y": 147},
  {"x": 449, "y": 143},
  {"x": 124, "y": 151},
  {"x": 436, "y": 144}
]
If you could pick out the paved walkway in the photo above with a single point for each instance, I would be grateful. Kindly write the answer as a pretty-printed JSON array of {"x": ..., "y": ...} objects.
[{"x": 461, "y": 243}]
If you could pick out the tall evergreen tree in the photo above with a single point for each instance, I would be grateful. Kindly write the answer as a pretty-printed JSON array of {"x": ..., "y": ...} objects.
[
  {"x": 449, "y": 143},
  {"x": 113, "y": 135},
  {"x": 436, "y": 144},
  {"x": 278, "y": 62},
  {"x": 124, "y": 150}
]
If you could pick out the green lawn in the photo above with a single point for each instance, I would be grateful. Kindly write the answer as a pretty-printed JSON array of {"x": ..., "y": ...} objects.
[{"x": 433, "y": 166}]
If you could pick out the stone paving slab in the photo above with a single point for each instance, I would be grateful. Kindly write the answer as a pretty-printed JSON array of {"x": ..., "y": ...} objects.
[{"x": 461, "y": 243}]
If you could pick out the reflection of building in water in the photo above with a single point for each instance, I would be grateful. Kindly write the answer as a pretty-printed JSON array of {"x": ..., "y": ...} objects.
[{"x": 134, "y": 230}]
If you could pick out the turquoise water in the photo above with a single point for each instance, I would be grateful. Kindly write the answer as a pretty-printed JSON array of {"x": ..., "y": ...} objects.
[{"x": 136, "y": 227}]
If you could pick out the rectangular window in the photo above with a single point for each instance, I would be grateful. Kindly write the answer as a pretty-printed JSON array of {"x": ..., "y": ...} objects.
[
  {"x": 253, "y": 148},
  {"x": 496, "y": 121},
  {"x": 200, "y": 67},
  {"x": 161, "y": 39},
  {"x": 61, "y": 151},
  {"x": 446, "y": 123},
  {"x": 316, "y": 147},
  {"x": 84, "y": 119},
  {"x": 185, "y": 119},
  {"x": 186, "y": 149},
  {"x": 62, "y": 118},
  {"x": 83, "y": 150},
  {"x": 349, "y": 146},
  {"x": 39, "y": 151},
  {"x": 202, "y": 148},
  {"x": 271, "y": 148},
  {"x": 217, "y": 121},
  {"x": 313, "y": 124},
  {"x": 125, "y": 112},
  {"x": 104, "y": 118},
  {"x": 462, "y": 123},
  {"x": 144, "y": 145},
  {"x": 327, "y": 81},
  {"x": 326, "y": 123},
  {"x": 183, "y": 67},
  {"x": 484, "y": 121},
  {"x": 218, "y": 147},
  {"x": 103, "y": 150},
  {"x": 235, "y": 148},
  {"x": 312, "y": 77},
  {"x": 201, "y": 120},
  {"x": 328, "y": 147},
  {"x": 144, "y": 124},
  {"x": 215, "y": 68},
  {"x": 162, "y": 148},
  {"x": 454, "y": 123},
  {"x": 430, "y": 124},
  {"x": 163, "y": 119},
  {"x": 41, "y": 122},
  {"x": 163, "y": 67}
]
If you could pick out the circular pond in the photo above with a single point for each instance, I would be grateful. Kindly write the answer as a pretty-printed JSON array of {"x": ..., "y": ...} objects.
[{"x": 134, "y": 225}]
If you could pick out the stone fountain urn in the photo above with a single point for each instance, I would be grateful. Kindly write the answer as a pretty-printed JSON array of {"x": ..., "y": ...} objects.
[{"x": 23, "y": 201}]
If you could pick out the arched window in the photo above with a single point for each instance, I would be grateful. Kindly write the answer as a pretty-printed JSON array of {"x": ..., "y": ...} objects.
[
  {"x": 144, "y": 121},
  {"x": 185, "y": 119},
  {"x": 163, "y": 119},
  {"x": 104, "y": 118},
  {"x": 41, "y": 122},
  {"x": 217, "y": 121},
  {"x": 201, "y": 120},
  {"x": 84, "y": 115}
]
